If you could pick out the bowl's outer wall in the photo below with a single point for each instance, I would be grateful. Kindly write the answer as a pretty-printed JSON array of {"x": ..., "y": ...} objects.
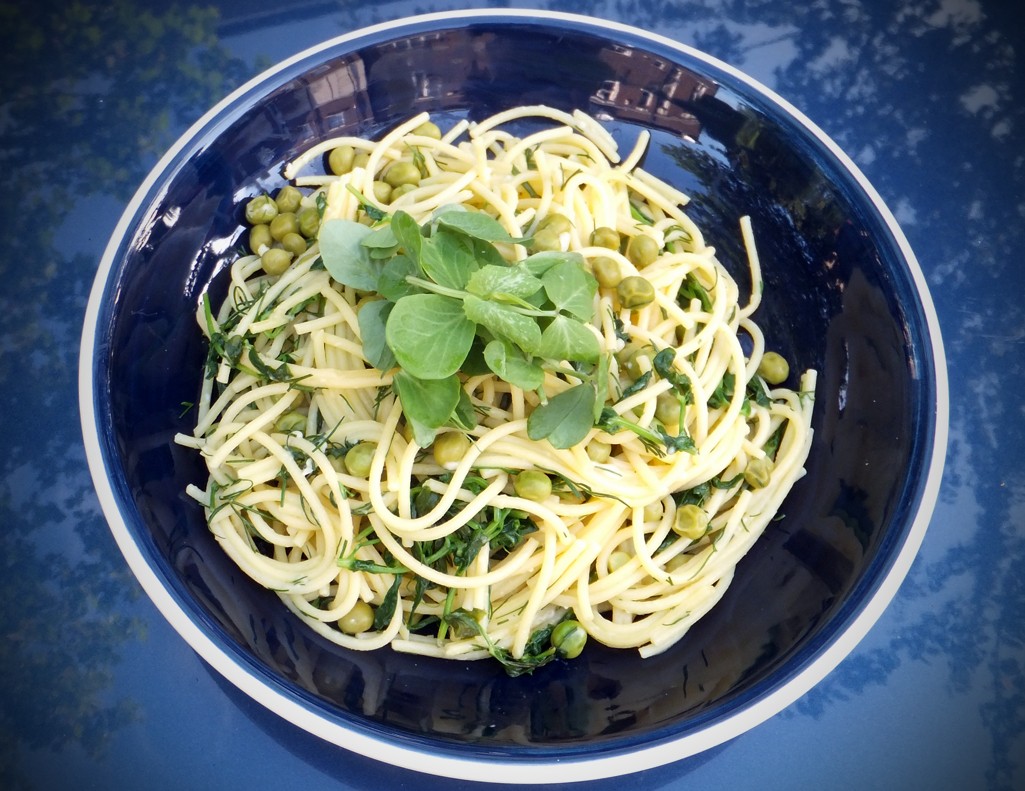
[{"x": 836, "y": 299}]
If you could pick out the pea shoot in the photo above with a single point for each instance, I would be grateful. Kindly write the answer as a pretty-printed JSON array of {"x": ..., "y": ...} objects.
[
  {"x": 564, "y": 640},
  {"x": 447, "y": 289}
]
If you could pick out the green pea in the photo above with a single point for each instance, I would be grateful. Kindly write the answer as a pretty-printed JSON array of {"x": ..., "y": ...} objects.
[
  {"x": 288, "y": 199},
  {"x": 450, "y": 448},
  {"x": 617, "y": 560},
  {"x": 341, "y": 160},
  {"x": 606, "y": 271},
  {"x": 635, "y": 292},
  {"x": 261, "y": 209},
  {"x": 668, "y": 408},
  {"x": 309, "y": 222},
  {"x": 289, "y": 422},
  {"x": 598, "y": 452},
  {"x": 758, "y": 472},
  {"x": 630, "y": 359},
  {"x": 690, "y": 521},
  {"x": 382, "y": 191},
  {"x": 532, "y": 485},
  {"x": 294, "y": 243},
  {"x": 284, "y": 224},
  {"x": 259, "y": 238},
  {"x": 555, "y": 222},
  {"x": 773, "y": 368},
  {"x": 402, "y": 173},
  {"x": 358, "y": 459},
  {"x": 357, "y": 620},
  {"x": 275, "y": 260},
  {"x": 401, "y": 190},
  {"x": 642, "y": 250},
  {"x": 361, "y": 160},
  {"x": 604, "y": 236},
  {"x": 428, "y": 129},
  {"x": 546, "y": 240},
  {"x": 568, "y": 639}
]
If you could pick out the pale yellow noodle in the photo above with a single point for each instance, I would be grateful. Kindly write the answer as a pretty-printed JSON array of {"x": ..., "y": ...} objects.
[{"x": 285, "y": 508}]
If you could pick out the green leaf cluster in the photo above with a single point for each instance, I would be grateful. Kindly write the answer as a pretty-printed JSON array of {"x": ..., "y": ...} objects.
[{"x": 448, "y": 302}]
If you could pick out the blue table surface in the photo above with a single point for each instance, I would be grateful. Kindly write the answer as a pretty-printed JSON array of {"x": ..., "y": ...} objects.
[{"x": 98, "y": 692}]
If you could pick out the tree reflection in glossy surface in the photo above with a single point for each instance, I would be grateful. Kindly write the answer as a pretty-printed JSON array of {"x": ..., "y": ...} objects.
[
  {"x": 92, "y": 94},
  {"x": 922, "y": 147}
]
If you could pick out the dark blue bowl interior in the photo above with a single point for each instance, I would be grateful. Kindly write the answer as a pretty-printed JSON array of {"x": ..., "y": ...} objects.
[{"x": 838, "y": 298}]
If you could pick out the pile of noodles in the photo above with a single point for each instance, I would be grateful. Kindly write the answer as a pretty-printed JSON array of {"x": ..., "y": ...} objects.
[{"x": 602, "y": 546}]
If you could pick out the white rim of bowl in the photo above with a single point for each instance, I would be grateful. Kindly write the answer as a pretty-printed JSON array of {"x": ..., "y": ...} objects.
[{"x": 533, "y": 770}]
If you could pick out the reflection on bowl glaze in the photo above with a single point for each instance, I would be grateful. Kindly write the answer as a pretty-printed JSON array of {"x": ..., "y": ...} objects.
[{"x": 843, "y": 295}]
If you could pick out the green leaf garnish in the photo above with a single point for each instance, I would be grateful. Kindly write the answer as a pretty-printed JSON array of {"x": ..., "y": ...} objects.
[
  {"x": 447, "y": 259},
  {"x": 345, "y": 257},
  {"x": 565, "y": 419},
  {"x": 430, "y": 402},
  {"x": 569, "y": 339},
  {"x": 539, "y": 263},
  {"x": 429, "y": 335},
  {"x": 505, "y": 321},
  {"x": 534, "y": 655},
  {"x": 477, "y": 225},
  {"x": 495, "y": 281},
  {"x": 510, "y": 364},
  {"x": 393, "y": 282},
  {"x": 373, "y": 317},
  {"x": 570, "y": 287},
  {"x": 372, "y": 211}
]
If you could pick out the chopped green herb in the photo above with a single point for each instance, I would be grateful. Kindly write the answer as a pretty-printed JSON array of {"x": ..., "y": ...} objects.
[
  {"x": 655, "y": 438},
  {"x": 663, "y": 365},
  {"x": 531, "y": 660}
]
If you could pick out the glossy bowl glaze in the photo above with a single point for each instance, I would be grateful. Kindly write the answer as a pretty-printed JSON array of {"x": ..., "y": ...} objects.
[{"x": 843, "y": 295}]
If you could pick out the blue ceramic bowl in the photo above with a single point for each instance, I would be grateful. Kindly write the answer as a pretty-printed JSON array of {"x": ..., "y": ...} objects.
[{"x": 843, "y": 295}]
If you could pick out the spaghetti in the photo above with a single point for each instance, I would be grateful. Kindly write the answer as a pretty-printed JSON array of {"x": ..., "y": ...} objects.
[{"x": 610, "y": 494}]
